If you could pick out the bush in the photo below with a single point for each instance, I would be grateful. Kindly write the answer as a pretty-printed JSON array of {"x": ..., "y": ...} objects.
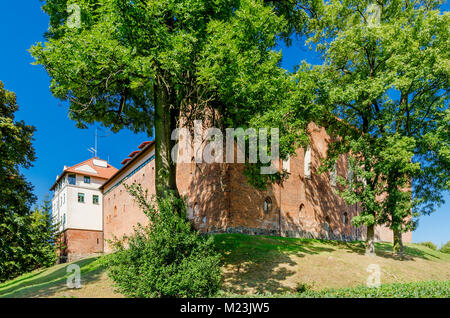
[
  {"x": 446, "y": 248},
  {"x": 167, "y": 258},
  {"x": 430, "y": 289},
  {"x": 301, "y": 287},
  {"x": 429, "y": 245}
]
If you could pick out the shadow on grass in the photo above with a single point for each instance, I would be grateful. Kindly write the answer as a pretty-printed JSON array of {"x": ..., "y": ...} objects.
[
  {"x": 50, "y": 282},
  {"x": 261, "y": 263},
  {"x": 384, "y": 249},
  {"x": 23, "y": 277}
]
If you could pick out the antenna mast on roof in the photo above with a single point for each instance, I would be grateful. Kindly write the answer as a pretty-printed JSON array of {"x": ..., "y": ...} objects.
[
  {"x": 95, "y": 141},
  {"x": 93, "y": 150}
]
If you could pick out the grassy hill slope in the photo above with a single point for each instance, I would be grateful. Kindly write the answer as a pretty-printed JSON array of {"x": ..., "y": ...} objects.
[{"x": 262, "y": 265}]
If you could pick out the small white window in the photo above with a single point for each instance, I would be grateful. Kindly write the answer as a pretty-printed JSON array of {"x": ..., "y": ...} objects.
[
  {"x": 287, "y": 164},
  {"x": 345, "y": 218},
  {"x": 326, "y": 225},
  {"x": 333, "y": 175},
  {"x": 307, "y": 163},
  {"x": 267, "y": 205},
  {"x": 196, "y": 209},
  {"x": 349, "y": 171}
]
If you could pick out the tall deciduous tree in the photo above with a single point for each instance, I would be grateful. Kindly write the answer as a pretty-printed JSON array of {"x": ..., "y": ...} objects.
[
  {"x": 386, "y": 75},
  {"x": 146, "y": 64},
  {"x": 26, "y": 237}
]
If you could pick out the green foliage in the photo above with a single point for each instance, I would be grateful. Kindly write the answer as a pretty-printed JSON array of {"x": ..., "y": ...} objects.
[
  {"x": 431, "y": 289},
  {"x": 167, "y": 258},
  {"x": 301, "y": 287},
  {"x": 143, "y": 64},
  {"x": 387, "y": 80},
  {"x": 446, "y": 248},
  {"x": 31, "y": 242},
  {"x": 429, "y": 245},
  {"x": 26, "y": 236}
]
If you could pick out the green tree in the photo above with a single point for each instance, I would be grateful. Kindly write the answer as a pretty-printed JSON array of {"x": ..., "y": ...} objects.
[
  {"x": 42, "y": 236},
  {"x": 385, "y": 74},
  {"x": 25, "y": 239},
  {"x": 445, "y": 248},
  {"x": 147, "y": 64}
]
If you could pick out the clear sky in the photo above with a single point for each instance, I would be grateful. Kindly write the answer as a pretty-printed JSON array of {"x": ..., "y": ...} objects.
[{"x": 58, "y": 142}]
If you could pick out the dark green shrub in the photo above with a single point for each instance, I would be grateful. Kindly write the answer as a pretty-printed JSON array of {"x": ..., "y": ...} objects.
[
  {"x": 428, "y": 289},
  {"x": 166, "y": 258},
  {"x": 429, "y": 245},
  {"x": 303, "y": 287},
  {"x": 446, "y": 248}
]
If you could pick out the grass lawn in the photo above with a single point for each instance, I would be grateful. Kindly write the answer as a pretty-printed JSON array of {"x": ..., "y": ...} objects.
[
  {"x": 266, "y": 265},
  {"x": 51, "y": 282}
]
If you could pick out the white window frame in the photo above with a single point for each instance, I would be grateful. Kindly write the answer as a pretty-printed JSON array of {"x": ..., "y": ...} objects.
[
  {"x": 287, "y": 164},
  {"x": 307, "y": 163}
]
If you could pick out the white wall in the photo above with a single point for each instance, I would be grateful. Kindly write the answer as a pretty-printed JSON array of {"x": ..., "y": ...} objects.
[{"x": 85, "y": 216}]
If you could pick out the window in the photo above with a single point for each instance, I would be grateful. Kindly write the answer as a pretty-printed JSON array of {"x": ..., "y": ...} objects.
[
  {"x": 333, "y": 175},
  {"x": 345, "y": 218},
  {"x": 301, "y": 210},
  {"x": 87, "y": 179},
  {"x": 349, "y": 171},
  {"x": 95, "y": 199},
  {"x": 326, "y": 225},
  {"x": 72, "y": 179},
  {"x": 81, "y": 197},
  {"x": 287, "y": 164},
  {"x": 196, "y": 209},
  {"x": 307, "y": 163},
  {"x": 64, "y": 218},
  {"x": 267, "y": 205}
]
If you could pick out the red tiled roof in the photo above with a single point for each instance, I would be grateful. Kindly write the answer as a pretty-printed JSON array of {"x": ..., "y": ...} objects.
[
  {"x": 134, "y": 153},
  {"x": 124, "y": 161},
  {"x": 145, "y": 143},
  {"x": 102, "y": 172}
]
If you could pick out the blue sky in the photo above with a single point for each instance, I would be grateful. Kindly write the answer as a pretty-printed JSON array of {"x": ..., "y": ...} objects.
[{"x": 58, "y": 142}]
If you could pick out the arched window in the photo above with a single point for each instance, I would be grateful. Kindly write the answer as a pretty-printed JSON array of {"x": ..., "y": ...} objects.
[
  {"x": 345, "y": 218},
  {"x": 267, "y": 205},
  {"x": 301, "y": 210},
  {"x": 333, "y": 175},
  {"x": 196, "y": 209},
  {"x": 327, "y": 225}
]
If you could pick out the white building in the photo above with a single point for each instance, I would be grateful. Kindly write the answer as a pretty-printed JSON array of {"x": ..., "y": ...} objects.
[{"x": 77, "y": 207}]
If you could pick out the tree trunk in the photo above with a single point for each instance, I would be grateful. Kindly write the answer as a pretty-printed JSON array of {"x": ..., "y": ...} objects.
[
  {"x": 398, "y": 244},
  {"x": 370, "y": 240},
  {"x": 165, "y": 122}
]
